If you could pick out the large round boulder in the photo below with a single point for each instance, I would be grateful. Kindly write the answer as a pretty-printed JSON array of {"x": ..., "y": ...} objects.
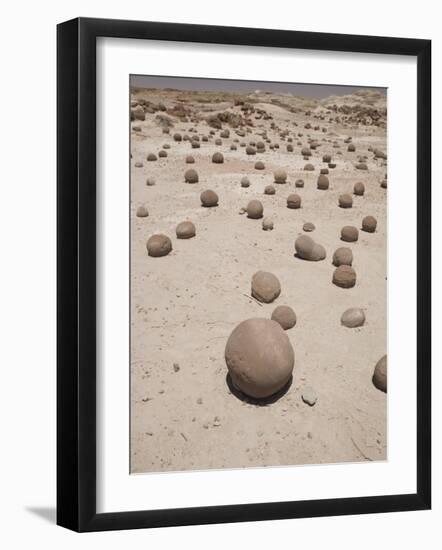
[
  {"x": 369, "y": 224},
  {"x": 294, "y": 201},
  {"x": 185, "y": 230},
  {"x": 342, "y": 256},
  {"x": 307, "y": 249},
  {"x": 280, "y": 175},
  {"x": 380, "y": 374},
  {"x": 344, "y": 276},
  {"x": 285, "y": 316},
  {"x": 255, "y": 210},
  {"x": 159, "y": 245},
  {"x": 259, "y": 357},
  {"x": 353, "y": 317},
  {"x": 209, "y": 198}
]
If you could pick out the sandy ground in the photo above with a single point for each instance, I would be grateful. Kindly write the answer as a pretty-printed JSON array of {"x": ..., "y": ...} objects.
[{"x": 185, "y": 305}]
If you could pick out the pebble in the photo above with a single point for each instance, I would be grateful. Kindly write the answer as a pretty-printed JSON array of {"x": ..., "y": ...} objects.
[{"x": 309, "y": 396}]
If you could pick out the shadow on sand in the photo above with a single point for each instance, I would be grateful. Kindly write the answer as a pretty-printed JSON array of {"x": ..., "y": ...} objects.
[{"x": 258, "y": 402}]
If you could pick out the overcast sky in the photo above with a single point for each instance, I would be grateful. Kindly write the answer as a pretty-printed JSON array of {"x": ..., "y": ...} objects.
[{"x": 207, "y": 84}]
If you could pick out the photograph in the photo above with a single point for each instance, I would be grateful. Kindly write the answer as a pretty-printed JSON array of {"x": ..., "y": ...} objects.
[{"x": 258, "y": 274}]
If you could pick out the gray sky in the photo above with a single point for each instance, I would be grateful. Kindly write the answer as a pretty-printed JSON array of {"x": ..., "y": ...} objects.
[{"x": 207, "y": 84}]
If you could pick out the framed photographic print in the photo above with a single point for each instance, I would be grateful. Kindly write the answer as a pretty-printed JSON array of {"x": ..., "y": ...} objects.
[{"x": 243, "y": 240}]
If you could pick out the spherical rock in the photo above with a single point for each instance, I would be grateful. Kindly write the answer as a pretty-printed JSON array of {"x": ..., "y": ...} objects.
[
  {"x": 190, "y": 159},
  {"x": 285, "y": 316},
  {"x": 369, "y": 224},
  {"x": 308, "y": 227},
  {"x": 142, "y": 212},
  {"x": 309, "y": 167},
  {"x": 217, "y": 158},
  {"x": 259, "y": 165},
  {"x": 267, "y": 224},
  {"x": 342, "y": 256},
  {"x": 293, "y": 201},
  {"x": 245, "y": 182},
  {"x": 259, "y": 357},
  {"x": 345, "y": 201},
  {"x": 185, "y": 230},
  {"x": 177, "y": 137},
  {"x": 269, "y": 190},
  {"x": 307, "y": 249},
  {"x": 361, "y": 166},
  {"x": 326, "y": 158},
  {"x": 351, "y": 148},
  {"x": 280, "y": 175},
  {"x": 150, "y": 182},
  {"x": 191, "y": 176},
  {"x": 151, "y": 157},
  {"x": 306, "y": 152},
  {"x": 138, "y": 165},
  {"x": 344, "y": 276},
  {"x": 323, "y": 182},
  {"x": 380, "y": 374},
  {"x": 349, "y": 234},
  {"x": 299, "y": 183},
  {"x": 265, "y": 286},
  {"x": 159, "y": 245},
  {"x": 359, "y": 188},
  {"x": 250, "y": 150},
  {"x": 255, "y": 209},
  {"x": 162, "y": 153},
  {"x": 353, "y": 317},
  {"x": 209, "y": 198}
]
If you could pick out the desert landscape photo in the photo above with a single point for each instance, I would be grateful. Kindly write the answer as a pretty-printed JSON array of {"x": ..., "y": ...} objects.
[{"x": 258, "y": 274}]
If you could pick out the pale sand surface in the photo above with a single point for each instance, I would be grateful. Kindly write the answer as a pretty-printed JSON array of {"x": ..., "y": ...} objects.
[{"x": 185, "y": 305}]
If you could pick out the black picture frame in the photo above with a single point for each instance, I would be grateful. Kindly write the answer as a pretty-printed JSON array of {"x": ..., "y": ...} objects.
[{"x": 76, "y": 274}]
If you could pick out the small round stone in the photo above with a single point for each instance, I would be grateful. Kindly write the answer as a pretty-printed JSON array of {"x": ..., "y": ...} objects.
[
  {"x": 380, "y": 374},
  {"x": 259, "y": 357},
  {"x": 209, "y": 198},
  {"x": 359, "y": 188},
  {"x": 345, "y": 201},
  {"x": 293, "y": 201},
  {"x": 353, "y": 317},
  {"x": 349, "y": 234},
  {"x": 299, "y": 183},
  {"x": 265, "y": 287},
  {"x": 343, "y": 256},
  {"x": 250, "y": 150},
  {"x": 190, "y": 159},
  {"x": 150, "y": 182},
  {"x": 269, "y": 190},
  {"x": 162, "y": 153},
  {"x": 259, "y": 165},
  {"x": 308, "y": 227},
  {"x": 245, "y": 182},
  {"x": 344, "y": 276},
  {"x": 285, "y": 316},
  {"x": 142, "y": 212},
  {"x": 185, "y": 230},
  {"x": 309, "y": 167},
  {"x": 159, "y": 245},
  {"x": 151, "y": 157},
  {"x": 369, "y": 224},
  {"x": 191, "y": 176},
  {"x": 138, "y": 165},
  {"x": 267, "y": 224},
  {"x": 255, "y": 209}
]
